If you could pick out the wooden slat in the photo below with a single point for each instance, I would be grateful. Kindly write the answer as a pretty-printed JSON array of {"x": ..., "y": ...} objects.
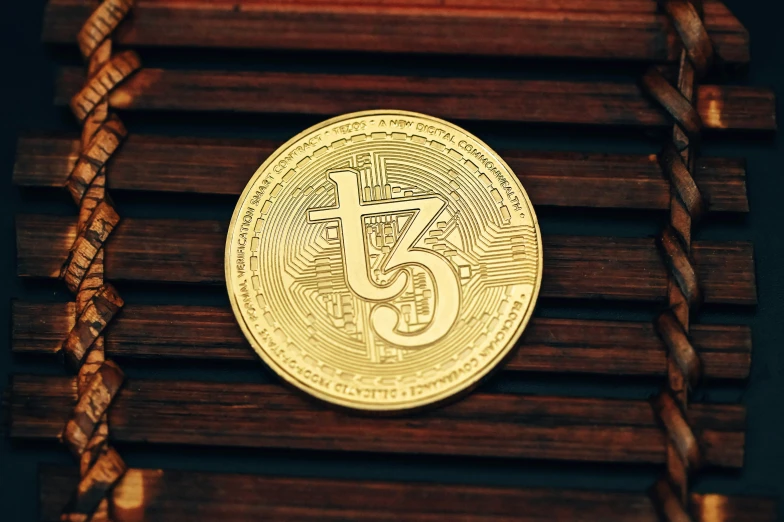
[
  {"x": 584, "y": 103},
  {"x": 564, "y": 179},
  {"x": 577, "y": 267},
  {"x": 548, "y": 345},
  {"x": 188, "y": 496},
  {"x": 270, "y": 416},
  {"x": 593, "y": 29}
]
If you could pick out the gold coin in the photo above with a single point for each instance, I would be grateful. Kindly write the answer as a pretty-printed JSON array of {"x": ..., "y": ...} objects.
[{"x": 383, "y": 260}]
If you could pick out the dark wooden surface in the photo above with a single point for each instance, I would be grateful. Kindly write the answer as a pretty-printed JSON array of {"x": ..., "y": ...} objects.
[
  {"x": 529, "y": 101},
  {"x": 487, "y": 425},
  {"x": 598, "y": 29},
  {"x": 207, "y": 334},
  {"x": 562, "y": 179},
  {"x": 157, "y": 333},
  {"x": 578, "y": 267},
  {"x": 187, "y": 496}
]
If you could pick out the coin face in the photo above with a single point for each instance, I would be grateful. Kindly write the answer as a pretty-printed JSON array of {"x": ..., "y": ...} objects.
[{"x": 383, "y": 260}]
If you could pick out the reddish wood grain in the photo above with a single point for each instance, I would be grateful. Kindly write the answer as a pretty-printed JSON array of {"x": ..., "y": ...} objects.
[
  {"x": 187, "y": 496},
  {"x": 579, "y": 103},
  {"x": 563, "y": 179},
  {"x": 576, "y": 267},
  {"x": 597, "y": 29},
  {"x": 548, "y": 345},
  {"x": 502, "y": 426},
  {"x": 488, "y": 425}
]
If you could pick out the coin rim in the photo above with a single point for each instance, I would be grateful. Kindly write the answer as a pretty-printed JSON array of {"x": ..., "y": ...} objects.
[{"x": 445, "y": 395}]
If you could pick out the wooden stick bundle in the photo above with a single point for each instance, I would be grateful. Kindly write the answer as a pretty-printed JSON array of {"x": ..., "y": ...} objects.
[
  {"x": 528, "y": 101},
  {"x": 562, "y": 179},
  {"x": 548, "y": 345},
  {"x": 583, "y": 29},
  {"x": 481, "y": 424},
  {"x": 151, "y": 493},
  {"x": 578, "y": 267},
  {"x": 214, "y": 414}
]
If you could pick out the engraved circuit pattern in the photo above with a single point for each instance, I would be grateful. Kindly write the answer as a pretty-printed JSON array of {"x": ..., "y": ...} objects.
[{"x": 410, "y": 284}]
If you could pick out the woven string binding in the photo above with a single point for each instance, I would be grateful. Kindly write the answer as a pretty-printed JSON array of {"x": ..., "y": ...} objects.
[
  {"x": 671, "y": 492},
  {"x": 86, "y": 433}
]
